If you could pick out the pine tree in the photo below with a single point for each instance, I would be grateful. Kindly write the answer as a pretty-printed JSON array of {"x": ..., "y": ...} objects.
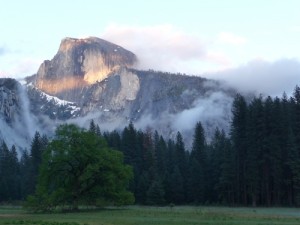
[
  {"x": 199, "y": 144},
  {"x": 176, "y": 189},
  {"x": 98, "y": 131},
  {"x": 181, "y": 161},
  {"x": 129, "y": 143},
  {"x": 222, "y": 169},
  {"x": 255, "y": 151},
  {"x": 170, "y": 168},
  {"x": 180, "y": 155},
  {"x": 269, "y": 146},
  {"x": 4, "y": 172},
  {"x": 293, "y": 162},
  {"x": 156, "y": 193},
  {"x": 142, "y": 186},
  {"x": 162, "y": 157},
  {"x": 198, "y": 181},
  {"x": 296, "y": 97},
  {"x": 287, "y": 140},
  {"x": 15, "y": 186},
  {"x": 225, "y": 185},
  {"x": 113, "y": 139},
  {"x": 276, "y": 145},
  {"x": 25, "y": 173},
  {"x": 294, "y": 146},
  {"x": 38, "y": 145},
  {"x": 238, "y": 134},
  {"x": 92, "y": 127},
  {"x": 9, "y": 174}
]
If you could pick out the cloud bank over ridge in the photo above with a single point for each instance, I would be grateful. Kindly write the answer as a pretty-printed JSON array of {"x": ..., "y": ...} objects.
[
  {"x": 165, "y": 47},
  {"x": 168, "y": 48},
  {"x": 268, "y": 78}
]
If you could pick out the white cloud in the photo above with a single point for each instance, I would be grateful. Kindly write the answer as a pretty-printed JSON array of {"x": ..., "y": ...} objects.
[
  {"x": 27, "y": 66},
  {"x": 164, "y": 47},
  {"x": 19, "y": 68},
  {"x": 168, "y": 48},
  {"x": 230, "y": 38},
  {"x": 272, "y": 78},
  {"x": 220, "y": 57},
  {"x": 214, "y": 110}
]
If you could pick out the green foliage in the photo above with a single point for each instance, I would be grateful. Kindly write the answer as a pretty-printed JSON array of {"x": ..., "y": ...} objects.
[{"x": 79, "y": 168}]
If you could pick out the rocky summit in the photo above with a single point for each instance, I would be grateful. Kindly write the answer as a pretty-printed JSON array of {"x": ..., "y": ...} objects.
[
  {"x": 94, "y": 79},
  {"x": 79, "y": 63}
]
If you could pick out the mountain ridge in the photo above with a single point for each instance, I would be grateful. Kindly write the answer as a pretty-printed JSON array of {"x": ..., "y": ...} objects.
[{"x": 60, "y": 92}]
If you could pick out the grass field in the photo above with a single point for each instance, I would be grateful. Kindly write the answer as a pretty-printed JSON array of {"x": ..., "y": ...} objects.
[{"x": 137, "y": 215}]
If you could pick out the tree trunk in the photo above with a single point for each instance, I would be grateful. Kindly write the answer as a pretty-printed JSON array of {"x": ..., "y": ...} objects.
[{"x": 253, "y": 200}]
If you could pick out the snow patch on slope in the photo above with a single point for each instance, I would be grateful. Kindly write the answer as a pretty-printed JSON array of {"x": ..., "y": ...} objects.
[
  {"x": 71, "y": 106},
  {"x": 58, "y": 101}
]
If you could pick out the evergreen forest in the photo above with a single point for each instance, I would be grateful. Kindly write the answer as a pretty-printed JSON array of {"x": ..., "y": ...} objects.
[{"x": 256, "y": 164}]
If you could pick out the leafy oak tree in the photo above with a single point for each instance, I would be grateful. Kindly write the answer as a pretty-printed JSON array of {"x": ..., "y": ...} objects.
[{"x": 79, "y": 168}]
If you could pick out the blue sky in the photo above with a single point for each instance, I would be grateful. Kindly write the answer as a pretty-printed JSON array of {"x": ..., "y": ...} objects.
[{"x": 192, "y": 36}]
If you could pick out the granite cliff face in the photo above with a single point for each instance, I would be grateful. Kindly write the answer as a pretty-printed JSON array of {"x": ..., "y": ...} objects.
[
  {"x": 9, "y": 100},
  {"x": 16, "y": 120},
  {"x": 95, "y": 79},
  {"x": 80, "y": 63}
]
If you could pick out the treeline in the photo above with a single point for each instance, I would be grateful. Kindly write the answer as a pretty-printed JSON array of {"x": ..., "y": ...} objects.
[
  {"x": 257, "y": 163},
  {"x": 18, "y": 177},
  {"x": 265, "y": 149}
]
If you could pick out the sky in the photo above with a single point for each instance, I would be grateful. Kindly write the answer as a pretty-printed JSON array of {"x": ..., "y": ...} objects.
[{"x": 251, "y": 44}]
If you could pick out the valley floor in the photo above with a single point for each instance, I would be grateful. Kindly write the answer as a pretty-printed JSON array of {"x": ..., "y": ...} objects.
[{"x": 140, "y": 215}]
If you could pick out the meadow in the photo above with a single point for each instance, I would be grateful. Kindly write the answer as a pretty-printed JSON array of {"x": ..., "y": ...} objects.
[{"x": 140, "y": 215}]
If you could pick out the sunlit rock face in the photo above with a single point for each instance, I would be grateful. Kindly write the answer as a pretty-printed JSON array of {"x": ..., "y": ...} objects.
[
  {"x": 95, "y": 79},
  {"x": 80, "y": 63}
]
